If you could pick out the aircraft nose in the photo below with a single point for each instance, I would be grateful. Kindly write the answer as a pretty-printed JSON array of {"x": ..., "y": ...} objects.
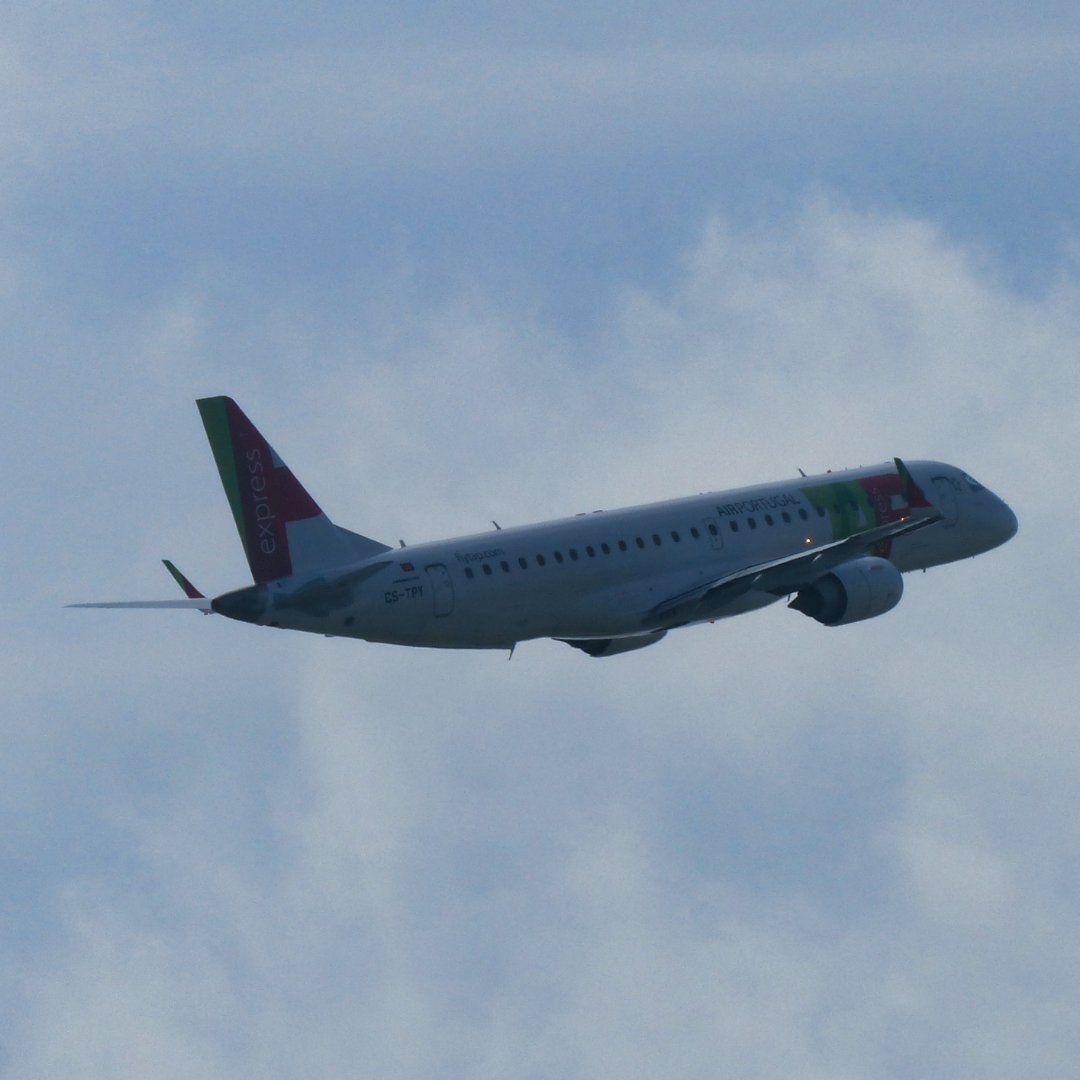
[
  {"x": 1009, "y": 522},
  {"x": 1004, "y": 524}
]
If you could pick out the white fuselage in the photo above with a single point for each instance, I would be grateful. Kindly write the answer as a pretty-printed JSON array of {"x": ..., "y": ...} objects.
[{"x": 598, "y": 575}]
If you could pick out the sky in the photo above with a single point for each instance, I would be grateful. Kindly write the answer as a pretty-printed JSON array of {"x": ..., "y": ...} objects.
[{"x": 515, "y": 262}]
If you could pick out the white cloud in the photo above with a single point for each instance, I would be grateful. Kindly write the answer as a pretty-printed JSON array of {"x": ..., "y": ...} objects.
[
  {"x": 793, "y": 850},
  {"x": 762, "y": 846}
]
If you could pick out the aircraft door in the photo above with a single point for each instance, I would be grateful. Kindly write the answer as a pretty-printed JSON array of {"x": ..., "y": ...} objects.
[
  {"x": 442, "y": 589},
  {"x": 945, "y": 497}
]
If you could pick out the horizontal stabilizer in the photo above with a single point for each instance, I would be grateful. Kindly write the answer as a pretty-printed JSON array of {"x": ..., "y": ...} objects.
[
  {"x": 192, "y": 604},
  {"x": 195, "y": 600}
]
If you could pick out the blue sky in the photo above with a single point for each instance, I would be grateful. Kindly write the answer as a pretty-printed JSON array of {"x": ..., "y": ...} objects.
[{"x": 515, "y": 263}]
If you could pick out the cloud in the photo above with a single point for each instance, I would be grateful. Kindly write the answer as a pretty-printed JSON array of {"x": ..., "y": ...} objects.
[
  {"x": 512, "y": 266},
  {"x": 796, "y": 850}
]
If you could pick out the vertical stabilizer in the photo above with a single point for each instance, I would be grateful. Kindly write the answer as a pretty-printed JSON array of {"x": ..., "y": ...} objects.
[{"x": 280, "y": 525}]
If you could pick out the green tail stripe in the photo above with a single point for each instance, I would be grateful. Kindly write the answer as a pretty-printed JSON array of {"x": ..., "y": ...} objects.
[{"x": 216, "y": 421}]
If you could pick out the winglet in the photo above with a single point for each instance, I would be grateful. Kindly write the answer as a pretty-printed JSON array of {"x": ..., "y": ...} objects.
[
  {"x": 189, "y": 590},
  {"x": 912, "y": 493}
]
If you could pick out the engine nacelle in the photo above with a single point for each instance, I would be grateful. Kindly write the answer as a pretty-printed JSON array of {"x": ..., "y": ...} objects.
[{"x": 856, "y": 590}]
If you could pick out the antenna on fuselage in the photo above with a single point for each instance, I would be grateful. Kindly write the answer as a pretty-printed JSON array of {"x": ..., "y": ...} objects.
[{"x": 802, "y": 474}]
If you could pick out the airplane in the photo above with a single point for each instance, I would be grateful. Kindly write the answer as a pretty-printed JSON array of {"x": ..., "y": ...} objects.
[{"x": 607, "y": 582}]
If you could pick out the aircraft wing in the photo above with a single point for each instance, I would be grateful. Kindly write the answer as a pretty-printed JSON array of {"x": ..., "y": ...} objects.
[{"x": 778, "y": 576}]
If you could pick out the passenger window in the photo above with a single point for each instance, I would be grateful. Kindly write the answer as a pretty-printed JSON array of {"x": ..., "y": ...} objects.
[
  {"x": 803, "y": 514},
  {"x": 656, "y": 539},
  {"x": 558, "y": 556},
  {"x": 468, "y": 571},
  {"x": 713, "y": 530},
  {"x": 675, "y": 536},
  {"x": 694, "y": 533},
  {"x": 573, "y": 554},
  {"x": 487, "y": 569},
  {"x": 768, "y": 519},
  {"x": 821, "y": 511},
  {"x": 590, "y": 551},
  {"x": 733, "y": 525},
  {"x": 751, "y": 522},
  {"x": 523, "y": 563},
  {"x": 605, "y": 549},
  {"x": 622, "y": 545},
  {"x": 540, "y": 560},
  {"x": 505, "y": 566},
  {"x": 786, "y": 516},
  {"x": 640, "y": 543}
]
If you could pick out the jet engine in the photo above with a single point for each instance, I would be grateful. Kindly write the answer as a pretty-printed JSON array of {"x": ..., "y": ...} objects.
[{"x": 856, "y": 590}]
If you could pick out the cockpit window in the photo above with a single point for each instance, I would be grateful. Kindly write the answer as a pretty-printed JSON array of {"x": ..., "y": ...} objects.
[{"x": 972, "y": 483}]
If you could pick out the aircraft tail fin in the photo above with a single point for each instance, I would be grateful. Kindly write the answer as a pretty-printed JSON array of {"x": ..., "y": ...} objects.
[{"x": 282, "y": 528}]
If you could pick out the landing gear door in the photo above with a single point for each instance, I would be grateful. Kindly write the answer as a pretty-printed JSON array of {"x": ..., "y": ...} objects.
[
  {"x": 442, "y": 589},
  {"x": 945, "y": 498}
]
